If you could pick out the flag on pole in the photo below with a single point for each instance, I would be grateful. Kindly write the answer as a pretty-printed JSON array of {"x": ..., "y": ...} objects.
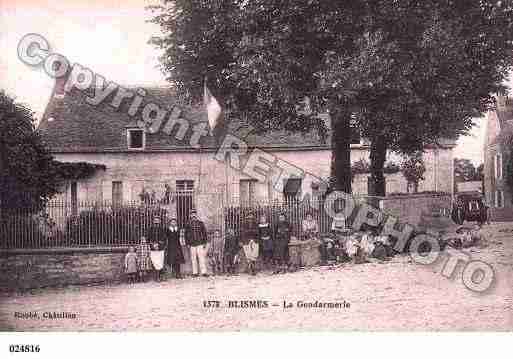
[{"x": 212, "y": 107}]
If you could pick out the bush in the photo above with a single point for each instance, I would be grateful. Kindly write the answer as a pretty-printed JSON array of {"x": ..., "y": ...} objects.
[
  {"x": 116, "y": 227},
  {"x": 28, "y": 231}
]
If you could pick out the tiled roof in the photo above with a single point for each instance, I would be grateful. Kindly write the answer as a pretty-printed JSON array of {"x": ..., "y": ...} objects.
[{"x": 70, "y": 124}]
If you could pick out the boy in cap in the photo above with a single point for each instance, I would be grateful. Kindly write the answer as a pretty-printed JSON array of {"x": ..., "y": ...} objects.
[{"x": 196, "y": 239}]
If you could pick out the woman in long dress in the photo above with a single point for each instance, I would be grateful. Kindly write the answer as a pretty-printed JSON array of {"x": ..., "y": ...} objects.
[
  {"x": 282, "y": 234},
  {"x": 174, "y": 253},
  {"x": 265, "y": 240}
]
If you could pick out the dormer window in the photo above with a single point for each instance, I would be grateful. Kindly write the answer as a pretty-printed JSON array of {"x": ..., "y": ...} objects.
[{"x": 136, "y": 138}]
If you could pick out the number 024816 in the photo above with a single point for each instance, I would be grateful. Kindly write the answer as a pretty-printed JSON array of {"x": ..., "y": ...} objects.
[{"x": 24, "y": 348}]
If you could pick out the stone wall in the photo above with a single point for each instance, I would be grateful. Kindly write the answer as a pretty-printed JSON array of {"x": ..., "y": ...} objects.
[
  {"x": 422, "y": 211},
  {"x": 28, "y": 269},
  {"x": 501, "y": 214},
  {"x": 48, "y": 268}
]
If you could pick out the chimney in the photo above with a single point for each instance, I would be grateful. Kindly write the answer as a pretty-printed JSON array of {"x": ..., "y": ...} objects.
[{"x": 60, "y": 82}]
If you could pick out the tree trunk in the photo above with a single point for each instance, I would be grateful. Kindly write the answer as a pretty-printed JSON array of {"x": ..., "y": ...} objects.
[
  {"x": 340, "y": 148},
  {"x": 378, "y": 156}
]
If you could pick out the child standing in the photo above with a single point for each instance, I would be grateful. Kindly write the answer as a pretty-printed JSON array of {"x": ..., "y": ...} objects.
[
  {"x": 249, "y": 242},
  {"x": 215, "y": 252},
  {"x": 143, "y": 258},
  {"x": 231, "y": 248},
  {"x": 131, "y": 265},
  {"x": 157, "y": 259}
]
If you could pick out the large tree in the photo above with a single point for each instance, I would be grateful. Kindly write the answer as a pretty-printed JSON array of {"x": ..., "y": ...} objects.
[
  {"x": 264, "y": 57},
  {"x": 411, "y": 71},
  {"x": 431, "y": 67},
  {"x": 28, "y": 174}
]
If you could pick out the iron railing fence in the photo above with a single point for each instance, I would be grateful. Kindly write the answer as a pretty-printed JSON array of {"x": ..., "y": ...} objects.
[{"x": 104, "y": 224}]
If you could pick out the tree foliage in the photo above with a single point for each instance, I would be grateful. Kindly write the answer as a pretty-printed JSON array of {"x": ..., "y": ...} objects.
[
  {"x": 411, "y": 71},
  {"x": 28, "y": 176},
  {"x": 262, "y": 58},
  {"x": 431, "y": 67},
  {"x": 74, "y": 171}
]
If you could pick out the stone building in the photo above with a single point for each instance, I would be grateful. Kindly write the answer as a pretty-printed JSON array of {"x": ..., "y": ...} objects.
[
  {"x": 499, "y": 125},
  {"x": 181, "y": 158}
]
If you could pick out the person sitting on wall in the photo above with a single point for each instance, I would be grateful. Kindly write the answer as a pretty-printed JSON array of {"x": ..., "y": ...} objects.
[
  {"x": 385, "y": 241},
  {"x": 196, "y": 239},
  {"x": 333, "y": 246},
  {"x": 327, "y": 248}
]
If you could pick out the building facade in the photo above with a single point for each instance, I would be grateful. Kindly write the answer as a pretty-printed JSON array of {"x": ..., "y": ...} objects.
[
  {"x": 499, "y": 125},
  {"x": 181, "y": 157}
]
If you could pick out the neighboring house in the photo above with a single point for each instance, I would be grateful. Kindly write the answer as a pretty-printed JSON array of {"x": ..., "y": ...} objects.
[
  {"x": 500, "y": 122},
  {"x": 140, "y": 163}
]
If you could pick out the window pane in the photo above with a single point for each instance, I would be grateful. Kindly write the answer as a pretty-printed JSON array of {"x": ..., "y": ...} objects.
[
  {"x": 247, "y": 192},
  {"x": 184, "y": 200},
  {"x": 185, "y": 185},
  {"x": 135, "y": 138}
]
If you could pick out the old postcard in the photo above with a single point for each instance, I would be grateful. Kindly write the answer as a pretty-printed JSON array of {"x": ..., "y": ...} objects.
[{"x": 241, "y": 165}]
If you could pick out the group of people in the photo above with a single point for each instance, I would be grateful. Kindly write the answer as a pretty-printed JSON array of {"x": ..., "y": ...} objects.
[
  {"x": 262, "y": 245},
  {"x": 162, "y": 245}
]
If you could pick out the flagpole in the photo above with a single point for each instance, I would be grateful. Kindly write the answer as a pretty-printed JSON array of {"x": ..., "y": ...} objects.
[{"x": 199, "y": 143}]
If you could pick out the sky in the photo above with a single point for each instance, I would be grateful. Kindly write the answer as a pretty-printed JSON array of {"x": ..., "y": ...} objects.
[{"x": 110, "y": 37}]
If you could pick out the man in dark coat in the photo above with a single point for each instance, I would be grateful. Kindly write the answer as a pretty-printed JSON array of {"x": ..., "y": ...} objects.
[{"x": 174, "y": 252}]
